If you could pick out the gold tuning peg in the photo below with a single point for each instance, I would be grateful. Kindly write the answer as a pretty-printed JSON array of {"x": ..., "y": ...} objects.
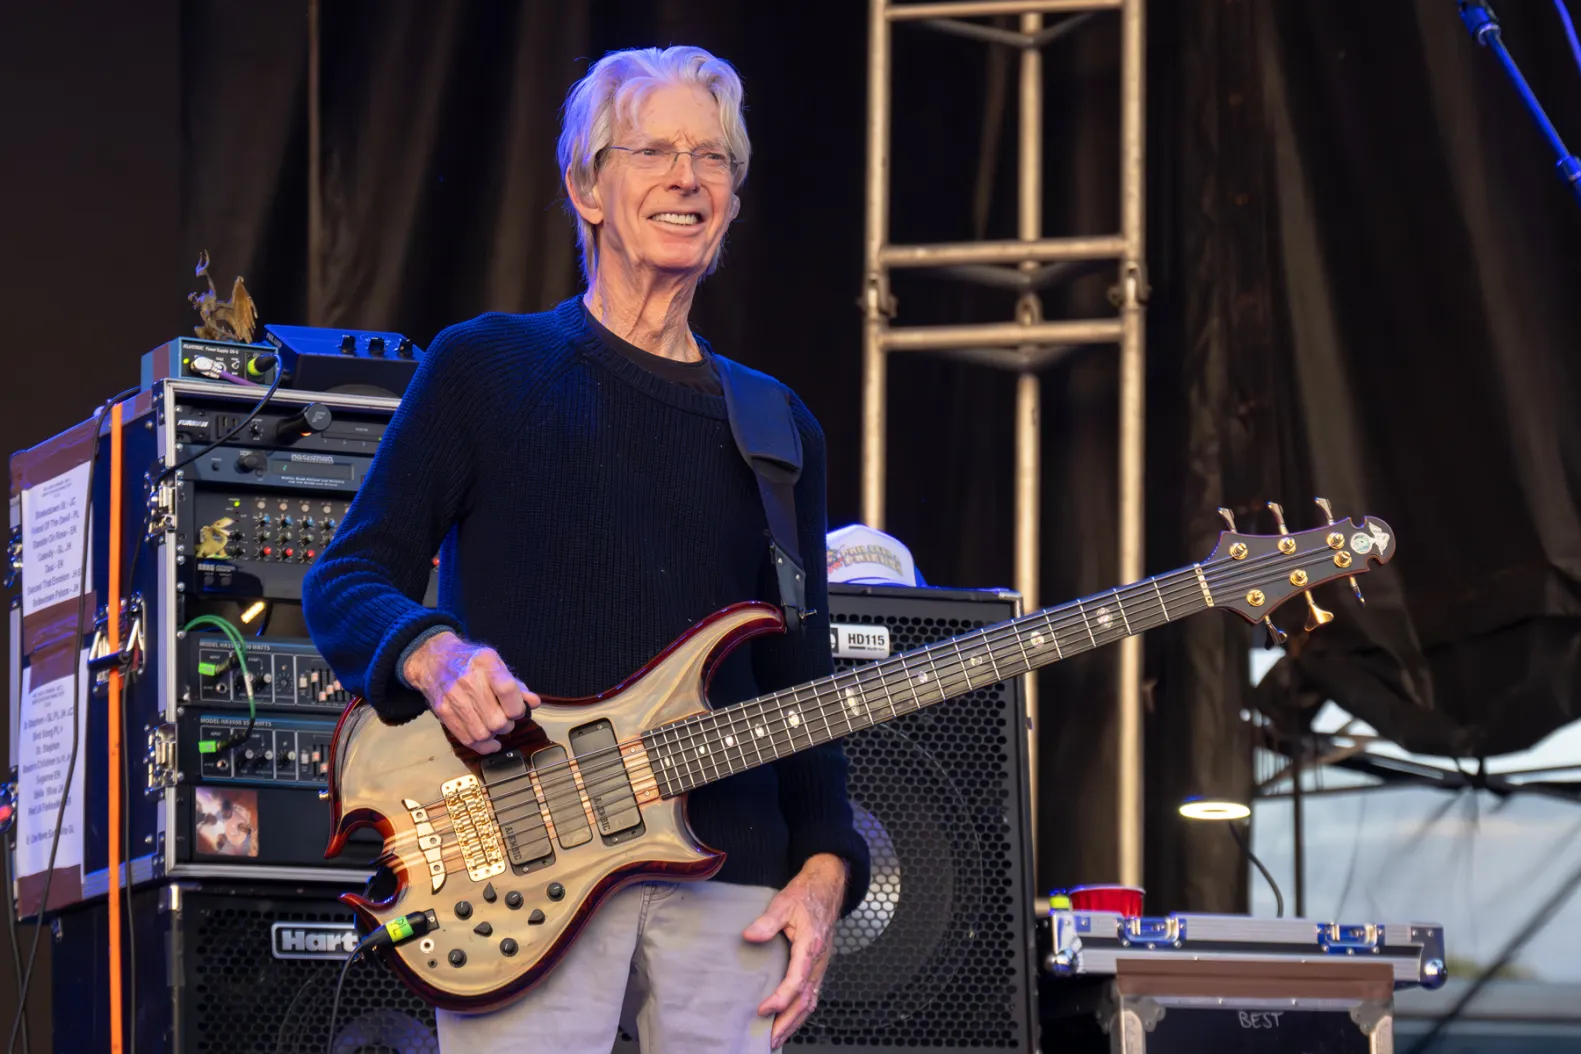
[
  {"x": 1316, "y": 616},
  {"x": 1279, "y": 517},
  {"x": 1229, "y": 517},
  {"x": 1276, "y": 636},
  {"x": 1355, "y": 586}
]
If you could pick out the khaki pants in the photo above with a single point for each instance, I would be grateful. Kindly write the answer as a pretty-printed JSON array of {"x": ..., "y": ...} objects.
[{"x": 694, "y": 983}]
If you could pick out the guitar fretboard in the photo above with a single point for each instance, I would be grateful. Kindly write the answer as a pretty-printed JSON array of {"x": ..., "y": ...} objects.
[{"x": 689, "y": 753}]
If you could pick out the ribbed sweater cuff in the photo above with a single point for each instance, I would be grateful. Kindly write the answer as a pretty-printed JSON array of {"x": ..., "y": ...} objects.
[
  {"x": 406, "y": 652},
  {"x": 388, "y": 692}
]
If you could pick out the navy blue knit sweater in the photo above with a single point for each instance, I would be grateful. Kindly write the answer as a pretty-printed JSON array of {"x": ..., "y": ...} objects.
[{"x": 586, "y": 512}]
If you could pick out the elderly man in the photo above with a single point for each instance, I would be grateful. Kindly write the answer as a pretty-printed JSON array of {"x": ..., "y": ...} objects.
[{"x": 575, "y": 471}]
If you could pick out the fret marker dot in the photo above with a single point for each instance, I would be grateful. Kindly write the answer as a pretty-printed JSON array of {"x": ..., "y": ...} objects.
[
  {"x": 977, "y": 660},
  {"x": 702, "y": 748},
  {"x": 1103, "y": 617},
  {"x": 730, "y": 741},
  {"x": 1037, "y": 640},
  {"x": 760, "y": 731},
  {"x": 923, "y": 676},
  {"x": 667, "y": 762},
  {"x": 794, "y": 719}
]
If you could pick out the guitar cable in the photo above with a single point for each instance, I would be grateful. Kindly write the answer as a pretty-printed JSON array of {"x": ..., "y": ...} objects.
[{"x": 398, "y": 930}]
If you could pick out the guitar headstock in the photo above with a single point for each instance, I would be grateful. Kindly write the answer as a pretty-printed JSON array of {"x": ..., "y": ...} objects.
[{"x": 1254, "y": 574}]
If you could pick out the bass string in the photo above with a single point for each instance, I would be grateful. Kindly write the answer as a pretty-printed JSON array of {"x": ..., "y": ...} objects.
[{"x": 1240, "y": 573}]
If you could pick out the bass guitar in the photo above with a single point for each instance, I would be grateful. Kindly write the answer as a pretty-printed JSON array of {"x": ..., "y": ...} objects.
[{"x": 509, "y": 854}]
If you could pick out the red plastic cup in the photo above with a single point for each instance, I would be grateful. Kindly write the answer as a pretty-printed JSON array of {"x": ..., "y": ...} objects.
[{"x": 1121, "y": 900}]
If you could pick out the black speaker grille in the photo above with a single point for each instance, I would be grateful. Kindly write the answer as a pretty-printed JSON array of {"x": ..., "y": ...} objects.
[
  {"x": 245, "y": 1001},
  {"x": 937, "y": 955}
]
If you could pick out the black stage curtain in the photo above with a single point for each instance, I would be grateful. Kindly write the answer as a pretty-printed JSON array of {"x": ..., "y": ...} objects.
[
  {"x": 1425, "y": 267},
  {"x": 1358, "y": 289}
]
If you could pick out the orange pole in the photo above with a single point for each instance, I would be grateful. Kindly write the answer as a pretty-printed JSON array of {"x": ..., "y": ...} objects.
[{"x": 113, "y": 603}]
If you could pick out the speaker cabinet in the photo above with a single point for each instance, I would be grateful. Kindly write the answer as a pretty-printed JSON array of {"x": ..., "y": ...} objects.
[
  {"x": 940, "y": 956},
  {"x": 232, "y": 969}
]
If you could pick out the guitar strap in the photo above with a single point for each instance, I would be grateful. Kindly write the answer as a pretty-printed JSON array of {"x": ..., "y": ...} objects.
[{"x": 765, "y": 433}]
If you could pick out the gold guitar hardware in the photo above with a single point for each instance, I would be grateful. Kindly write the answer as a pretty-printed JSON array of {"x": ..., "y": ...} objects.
[
  {"x": 1255, "y": 598},
  {"x": 1275, "y": 634},
  {"x": 1337, "y": 541},
  {"x": 1316, "y": 616},
  {"x": 1298, "y": 578},
  {"x": 1238, "y": 551}
]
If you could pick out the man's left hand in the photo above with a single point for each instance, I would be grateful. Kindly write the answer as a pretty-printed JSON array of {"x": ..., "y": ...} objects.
[{"x": 805, "y": 911}]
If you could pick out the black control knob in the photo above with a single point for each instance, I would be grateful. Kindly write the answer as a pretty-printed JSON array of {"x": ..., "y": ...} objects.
[
  {"x": 404, "y": 348},
  {"x": 513, "y": 900},
  {"x": 489, "y": 894},
  {"x": 375, "y": 345},
  {"x": 251, "y": 461},
  {"x": 483, "y": 929},
  {"x": 463, "y": 910},
  {"x": 536, "y": 918},
  {"x": 508, "y": 946},
  {"x": 314, "y": 418},
  {"x": 556, "y": 891},
  {"x": 348, "y": 344},
  {"x": 458, "y": 957}
]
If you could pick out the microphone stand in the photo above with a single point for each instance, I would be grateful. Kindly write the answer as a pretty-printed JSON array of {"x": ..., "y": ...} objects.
[{"x": 1483, "y": 25}]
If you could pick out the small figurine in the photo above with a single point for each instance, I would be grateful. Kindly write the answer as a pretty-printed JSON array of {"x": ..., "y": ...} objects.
[{"x": 228, "y": 320}]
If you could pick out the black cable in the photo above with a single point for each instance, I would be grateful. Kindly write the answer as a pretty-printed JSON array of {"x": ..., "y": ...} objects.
[
  {"x": 1540, "y": 918},
  {"x": 1279, "y": 898},
  {"x": 257, "y": 409},
  {"x": 16, "y": 945},
  {"x": 285, "y": 1019},
  {"x": 76, "y": 718},
  {"x": 334, "y": 1007},
  {"x": 397, "y": 930}
]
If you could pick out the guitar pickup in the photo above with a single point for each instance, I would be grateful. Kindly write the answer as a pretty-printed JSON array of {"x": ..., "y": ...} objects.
[
  {"x": 527, "y": 843},
  {"x": 608, "y": 787}
]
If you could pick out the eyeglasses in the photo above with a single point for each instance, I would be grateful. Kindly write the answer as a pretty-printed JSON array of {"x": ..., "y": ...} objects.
[{"x": 657, "y": 160}]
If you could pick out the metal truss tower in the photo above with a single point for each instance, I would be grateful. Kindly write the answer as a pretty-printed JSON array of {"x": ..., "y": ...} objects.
[{"x": 1029, "y": 343}]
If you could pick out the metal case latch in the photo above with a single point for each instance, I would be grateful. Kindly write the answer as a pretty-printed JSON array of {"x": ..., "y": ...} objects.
[
  {"x": 1336, "y": 939},
  {"x": 162, "y": 772}
]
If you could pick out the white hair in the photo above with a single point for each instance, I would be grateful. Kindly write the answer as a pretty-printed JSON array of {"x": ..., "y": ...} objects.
[{"x": 609, "y": 97}]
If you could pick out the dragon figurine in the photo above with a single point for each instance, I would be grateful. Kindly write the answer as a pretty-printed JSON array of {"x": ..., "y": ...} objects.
[{"x": 228, "y": 320}]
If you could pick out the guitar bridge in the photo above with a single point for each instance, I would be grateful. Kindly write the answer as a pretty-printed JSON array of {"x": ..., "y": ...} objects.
[
  {"x": 477, "y": 835},
  {"x": 428, "y": 842}
]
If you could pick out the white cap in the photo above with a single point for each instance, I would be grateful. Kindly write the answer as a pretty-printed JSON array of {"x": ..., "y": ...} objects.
[{"x": 858, "y": 553}]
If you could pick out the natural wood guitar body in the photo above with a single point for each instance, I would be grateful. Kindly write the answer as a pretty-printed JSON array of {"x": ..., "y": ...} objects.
[{"x": 381, "y": 770}]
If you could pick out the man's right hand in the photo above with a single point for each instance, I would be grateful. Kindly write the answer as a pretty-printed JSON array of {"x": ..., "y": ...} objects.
[{"x": 469, "y": 688}]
